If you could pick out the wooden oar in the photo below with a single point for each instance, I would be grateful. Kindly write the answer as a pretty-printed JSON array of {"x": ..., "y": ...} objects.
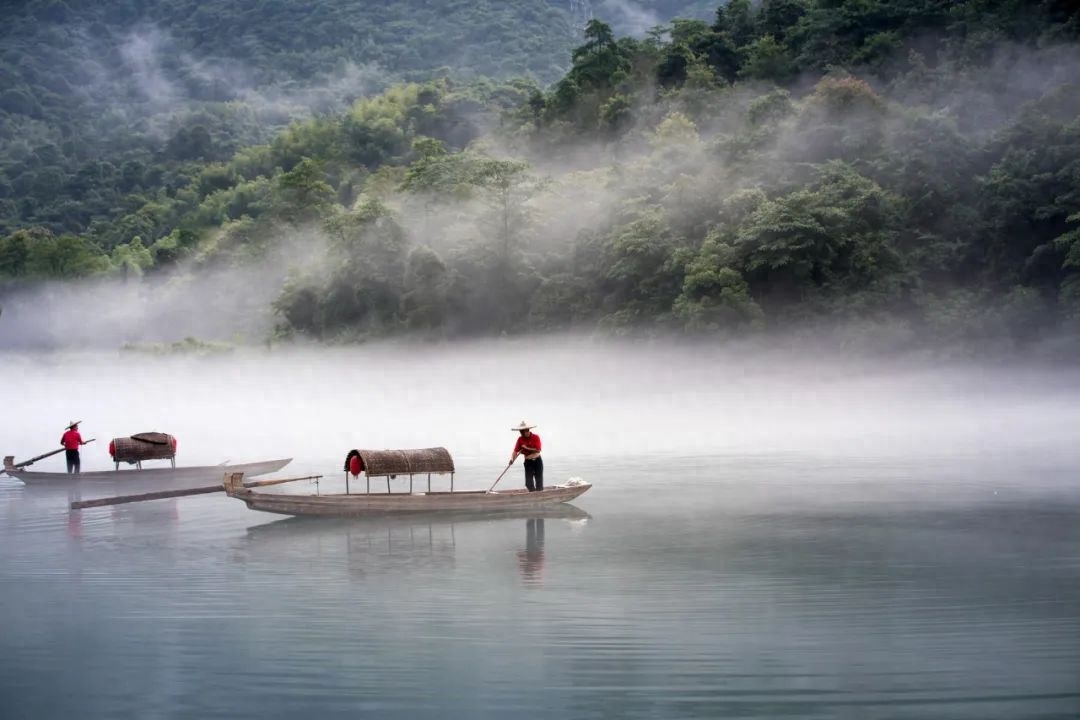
[
  {"x": 163, "y": 494},
  {"x": 31, "y": 461}
]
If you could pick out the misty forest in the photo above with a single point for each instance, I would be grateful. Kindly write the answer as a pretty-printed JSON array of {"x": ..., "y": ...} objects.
[{"x": 452, "y": 169}]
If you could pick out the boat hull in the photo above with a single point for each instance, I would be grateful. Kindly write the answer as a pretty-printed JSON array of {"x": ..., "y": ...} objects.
[
  {"x": 157, "y": 476},
  {"x": 360, "y": 505}
]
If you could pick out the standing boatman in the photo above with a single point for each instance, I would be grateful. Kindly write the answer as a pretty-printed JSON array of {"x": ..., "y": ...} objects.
[
  {"x": 71, "y": 440},
  {"x": 528, "y": 444}
]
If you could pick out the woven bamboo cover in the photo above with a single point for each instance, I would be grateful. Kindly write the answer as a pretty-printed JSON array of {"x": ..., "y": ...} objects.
[
  {"x": 144, "y": 446},
  {"x": 154, "y": 438},
  {"x": 407, "y": 462}
]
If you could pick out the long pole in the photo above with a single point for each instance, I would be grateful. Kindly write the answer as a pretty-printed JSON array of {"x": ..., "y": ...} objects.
[
  {"x": 31, "y": 461},
  {"x": 499, "y": 478},
  {"x": 163, "y": 494}
]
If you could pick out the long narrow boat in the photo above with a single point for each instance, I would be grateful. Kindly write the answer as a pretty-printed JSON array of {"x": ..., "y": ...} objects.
[
  {"x": 360, "y": 504},
  {"x": 157, "y": 476},
  {"x": 395, "y": 463}
]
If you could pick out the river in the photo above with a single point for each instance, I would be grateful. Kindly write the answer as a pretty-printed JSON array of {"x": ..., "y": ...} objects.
[{"x": 768, "y": 536}]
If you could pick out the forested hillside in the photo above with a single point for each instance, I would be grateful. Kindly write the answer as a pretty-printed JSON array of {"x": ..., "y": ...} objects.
[
  {"x": 102, "y": 99},
  {"x": 911, "y": 163}
]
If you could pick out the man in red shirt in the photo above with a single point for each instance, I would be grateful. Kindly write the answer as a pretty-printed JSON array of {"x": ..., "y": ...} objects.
[
  {"x": 71, "y": 441},
  {"x": 528, "y": 444}
]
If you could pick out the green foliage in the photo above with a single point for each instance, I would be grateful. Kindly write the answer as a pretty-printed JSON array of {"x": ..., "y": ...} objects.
[
  {"x": 643, "y": 270},
  {"x": 367, "y": 255},
  {"x": 792, "y": 160},
  {"x": 302, "y": 193},
  {"x": 599, "y": 67},
  {"x": 154, "y": 86},
  {"x": 844, "y": 119},
  {"x": 715, "y": 296},
  {"x": 15, "y": 253},
  {"x": 832, "y": 239},
  {"x": 767, "y": 59},
  {"x": 1031, "y": 195},
  {"x": 132, "y": 258},
  {"x": 37, "y": 253}
]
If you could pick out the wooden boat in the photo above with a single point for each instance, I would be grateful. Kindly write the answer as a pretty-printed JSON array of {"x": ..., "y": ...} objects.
[
  {"x": 360, "y": 504},
  {"x": 158, "y": 476},
  {"x": 392, "y": 464}
]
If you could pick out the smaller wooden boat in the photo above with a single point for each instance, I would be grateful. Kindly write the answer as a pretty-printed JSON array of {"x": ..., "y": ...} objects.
[
  {"x": 172, "y": 476},
  {"x": 392, "y": 464}
]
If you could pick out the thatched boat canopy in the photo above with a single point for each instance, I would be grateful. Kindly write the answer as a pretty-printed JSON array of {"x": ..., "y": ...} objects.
[
  {"x": 434, "y": 461},
  {"x": 143, "y": 446}
]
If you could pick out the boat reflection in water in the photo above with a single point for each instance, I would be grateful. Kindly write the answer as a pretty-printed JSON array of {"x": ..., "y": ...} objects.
[
  {"x": 39, "y": 505},
  {"x": 386, "y": 544}
]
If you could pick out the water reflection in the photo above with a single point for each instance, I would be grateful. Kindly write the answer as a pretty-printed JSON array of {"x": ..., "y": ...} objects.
[
  {"x": 41, "y": 508},
  {"x": 156, "y": 515},
  {"x": 415, "y": 542},
  {"x": 716, "y": 602},
  {"x": 531, "y": 559}
]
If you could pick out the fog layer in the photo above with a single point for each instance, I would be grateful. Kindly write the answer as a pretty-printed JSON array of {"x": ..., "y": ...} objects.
[{"x": 632, "y": 405}]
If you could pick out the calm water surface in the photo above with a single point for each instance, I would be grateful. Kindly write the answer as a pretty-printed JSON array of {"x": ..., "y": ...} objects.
[{"x": 783, "y": 583}]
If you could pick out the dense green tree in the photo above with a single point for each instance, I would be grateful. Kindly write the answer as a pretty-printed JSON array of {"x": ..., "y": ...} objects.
[
  {"x": 303, "y": 193},
  {"x": 643, "y": 272},
  {"x": 736, "y": 21},
  {"x": 62, "y": 257},
  {"x": 767, "y": 59},
  {"x": 599, "y": 66},
  {"x": 830, "y": 240},
  {"x": 779, "y": 17},
  {"x": 715, "y": 296},
  {"x": 15, "y": 253}
]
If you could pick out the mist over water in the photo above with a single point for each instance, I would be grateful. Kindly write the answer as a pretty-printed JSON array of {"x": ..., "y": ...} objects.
[
  {"x": 771, "y": 533},
  {"x": 593, "y": 398}
]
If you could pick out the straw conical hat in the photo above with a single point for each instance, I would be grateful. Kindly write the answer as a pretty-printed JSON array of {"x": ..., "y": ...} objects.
[
  {"x": 523, "y": 426},
  {"x": 73, "y": 423}
]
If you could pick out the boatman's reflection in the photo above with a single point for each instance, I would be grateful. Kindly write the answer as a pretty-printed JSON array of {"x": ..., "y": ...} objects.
[{"x": 531, "y": 559}]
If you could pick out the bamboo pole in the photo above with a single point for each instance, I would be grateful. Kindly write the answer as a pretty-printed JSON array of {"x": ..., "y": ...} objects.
[
  {"x": 499, "y": 478},
  {"x": 163, "y": 494},
  {"x": 31, "y": 461}
]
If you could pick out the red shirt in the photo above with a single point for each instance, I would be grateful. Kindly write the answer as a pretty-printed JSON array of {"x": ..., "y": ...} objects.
[
  {"x": 71, "y": 440},
  {"x": 532, "y": 441}
]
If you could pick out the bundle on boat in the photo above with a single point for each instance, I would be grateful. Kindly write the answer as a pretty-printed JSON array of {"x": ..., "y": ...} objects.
[
  {"x": 391, "y": 463},
  {"x": 143, "y": 446}
]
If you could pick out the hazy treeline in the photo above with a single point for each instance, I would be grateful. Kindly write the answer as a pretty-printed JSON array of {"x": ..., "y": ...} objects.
[
  {"x": 106, "y": 104},
  {"x": 911, "y": 163}
]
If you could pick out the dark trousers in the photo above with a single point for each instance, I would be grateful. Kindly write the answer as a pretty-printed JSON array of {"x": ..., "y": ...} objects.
[
  {"x": 72, "y": 461},
  {"x": 534, "y": 474}
]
